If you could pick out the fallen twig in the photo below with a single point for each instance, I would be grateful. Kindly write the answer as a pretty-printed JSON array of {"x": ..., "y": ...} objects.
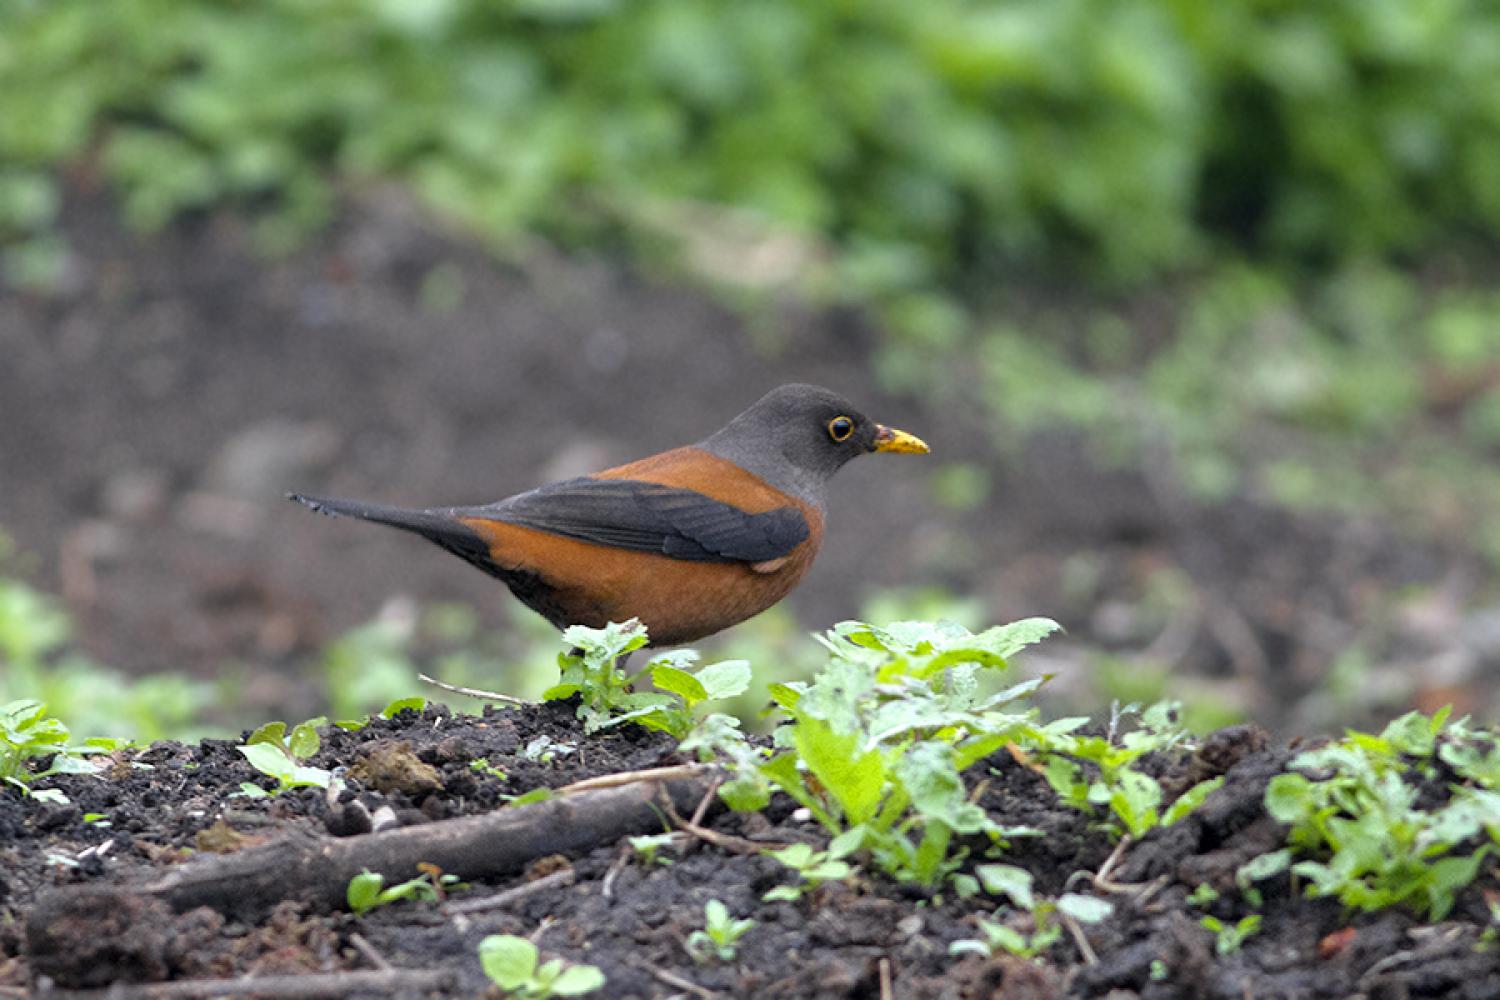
[
  {"x": 672, "y": 773},
  {"x": 887, "y": 987},
  {"x": 557, "y": 879},
  {"x": 318, "y": 869},
  {"x": 472, "y": 692},
  {"x": 367, "y": 949},
  {"x": 282, "y": 987},
  {"x": 1080, "y": 939},
  {"x": 674, "y": 980},
  {"x": 729, "y": 842}
]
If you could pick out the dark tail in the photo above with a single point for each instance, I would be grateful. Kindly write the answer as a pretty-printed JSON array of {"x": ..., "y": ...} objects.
[{"x": 438, "y": 526}]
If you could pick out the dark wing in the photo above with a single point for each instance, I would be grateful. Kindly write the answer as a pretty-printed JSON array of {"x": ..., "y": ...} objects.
[{"x": 649, "y": 517}]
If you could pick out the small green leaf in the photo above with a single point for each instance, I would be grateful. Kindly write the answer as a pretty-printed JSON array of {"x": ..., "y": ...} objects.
[
  {"x": 1007, "y": 880},
  {"x": 509, "y": 961},
  {"x": 577, "y": 980},
  {"x": 1084, "y": 909},
  {"x": 1289, "y": 798},
  {"x": 364, "y": 891},
  {"x": 855, "y": 779},
  {"x": 1265, "y": 866},
  {"x": 678, "y": 682},
  {"x": 415, "y": 703},
  {"x": 304, "y": 741},
  {"x": 268, "y": 758},
  {"x": 271, "y": 732},
  {"x": 727, "y": 679}
]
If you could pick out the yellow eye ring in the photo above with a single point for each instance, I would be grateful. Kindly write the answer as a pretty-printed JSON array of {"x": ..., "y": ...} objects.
[{"x": 840, "y": 428}]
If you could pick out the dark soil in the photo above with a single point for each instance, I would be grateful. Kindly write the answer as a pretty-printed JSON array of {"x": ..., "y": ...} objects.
[
  {"x": 632, "y": 919},
  {"x": 153, "y": 413}
]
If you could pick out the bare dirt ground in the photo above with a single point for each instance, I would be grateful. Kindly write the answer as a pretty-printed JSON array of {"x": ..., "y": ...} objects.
[{"x": 84, "y": 904}]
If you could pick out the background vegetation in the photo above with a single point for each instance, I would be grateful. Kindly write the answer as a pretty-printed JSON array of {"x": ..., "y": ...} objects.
[{"x": 1245, "y": 245}]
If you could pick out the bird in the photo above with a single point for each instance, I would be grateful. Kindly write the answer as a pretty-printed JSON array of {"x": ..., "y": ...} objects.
[{"x": 689, "y": 541}]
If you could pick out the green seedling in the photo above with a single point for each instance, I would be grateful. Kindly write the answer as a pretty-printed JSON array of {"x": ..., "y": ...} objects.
[
  {"x": 483, "y": 766},
  {"x": 539, "y": 794},
  {"x": 1355, "y": 820},
  {"x": 511, "y": 963},
  {"x": 813, "y": 868},
  {"x": 1046, "y": 915},
  {"x": 415, "y": 703},
  {"x": 545, "y": 750},
  {"x": 720, "y": 935},
  {"x": 1229, "y": 938},
  {"x": 1203, "y": 895},
  {"x": 607, "y": 696},
  {"x": 879, "y": 740},
  {"x": 274, "y": 752},
  {"x": 368, "y": 890},
  {"x": 648, "y": 848},
  {"x": 1134, "y": 799},
  {"x": 28, "y": 733}
]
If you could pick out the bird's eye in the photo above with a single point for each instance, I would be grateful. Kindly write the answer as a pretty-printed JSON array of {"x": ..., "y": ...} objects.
[{"x": 839, "y": 428}]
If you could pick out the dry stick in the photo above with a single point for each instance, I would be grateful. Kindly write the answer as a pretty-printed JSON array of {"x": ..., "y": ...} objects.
[
  {"x": 1081, "y": 940},
  {"x": 318, "y": 869},
  {"x": 699, "y": 813},
  {"x": 289, "y": 987},
  {"x": 631, "y": 777},
  {"x": 608, "y": 885},
  {"x": 673, "y": 979},
  {"x": 887, "y": 987},
  {"x": 472, "y": 692},
  {"x": 367, "y": 949},
  {"x": 558, "y": 878},
  {"x": 738, "y": 845}
]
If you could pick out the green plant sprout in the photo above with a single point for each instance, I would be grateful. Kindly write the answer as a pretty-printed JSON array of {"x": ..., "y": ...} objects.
[
  {"x": 483, "y": 766},
  {"x": 1357, "y": 823},
  {"x": 368, "y": 890},
  {"x": 1203, "y": 895},
  {"x": 277, "y": 754},
  {"x": 1046, "y": 915},
  {"x": 593, "y": 672},
  {"x": 648, "y": 848},
  {"x": 720, "y": 935},
  {"x": 511, "y": 963},
  {"x": 1133, "y": 798},
  {"x": 27, "y": 733},
  {"x": 1229, "y": 938},
  {"x": 544, "y": 749},
  {"x": 813, "y": 867},
  {"x": 879, "y": 740}
]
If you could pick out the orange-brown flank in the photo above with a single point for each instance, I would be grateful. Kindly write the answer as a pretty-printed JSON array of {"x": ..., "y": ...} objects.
[{"x": 678, "y": 600}]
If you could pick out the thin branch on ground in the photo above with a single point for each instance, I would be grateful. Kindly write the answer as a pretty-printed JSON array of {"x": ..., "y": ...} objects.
[
  {"x": 367, "y": 949},
  {"x": 317, "y": 869},
  {"x": 305, "y": 986},
  {"x": 472, "y": 692},
  {"x": 1080, "y": 939},
  {"x": 728, "y": 842},
  {"x": 675, "y": 981},
  {"x": 672, "y": 773},
  {"x": 557, "y": 879}
]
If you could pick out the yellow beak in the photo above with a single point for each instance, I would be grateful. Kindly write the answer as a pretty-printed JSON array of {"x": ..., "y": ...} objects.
[{"x": 890, "y": 439}]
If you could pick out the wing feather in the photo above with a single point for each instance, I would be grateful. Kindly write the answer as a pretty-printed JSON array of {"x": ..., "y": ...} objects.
[{"x": 650, "y": 517}]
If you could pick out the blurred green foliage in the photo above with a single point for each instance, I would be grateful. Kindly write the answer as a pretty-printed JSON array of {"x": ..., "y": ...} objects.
[
  {"x": 37, "y": 662},
  {"x": 922, "y": 144},
  {"x": 1368, "y": 389}
]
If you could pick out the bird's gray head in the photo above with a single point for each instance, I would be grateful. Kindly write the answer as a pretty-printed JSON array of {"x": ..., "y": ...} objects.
[{"x": 797, "y": 436}]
